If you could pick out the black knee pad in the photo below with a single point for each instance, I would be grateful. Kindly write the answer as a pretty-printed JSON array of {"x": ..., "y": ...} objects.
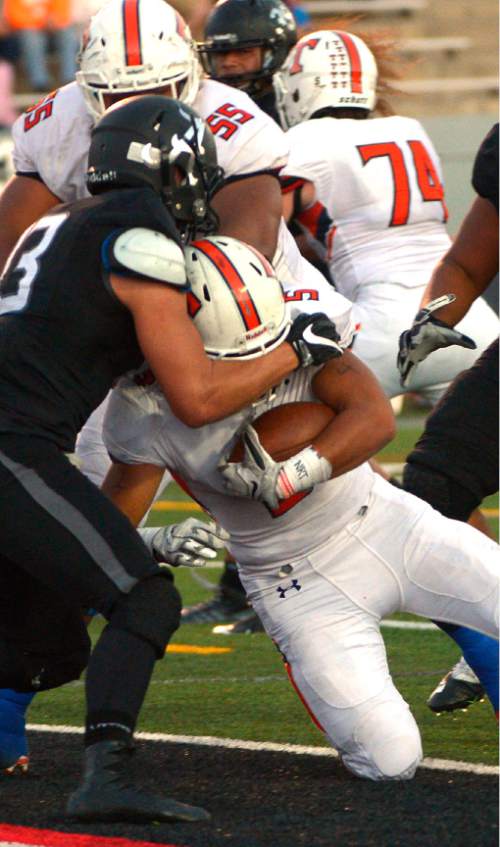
[
  {"x": 26, "y": 671},
  {"x": 151, "y": 611},
  {"x": 441, "y": 492}
]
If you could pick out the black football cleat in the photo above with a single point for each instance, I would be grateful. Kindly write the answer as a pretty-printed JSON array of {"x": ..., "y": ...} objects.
[
  {"x": 105, "y": 794},
  {"x": 246, "y": 626},
  {"x": 225, "y": 607},
  {"x": 457, "y": 690}
]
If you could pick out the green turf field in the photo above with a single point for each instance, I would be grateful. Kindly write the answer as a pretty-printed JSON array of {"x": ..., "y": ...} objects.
[{"x": 239, "y": 689}]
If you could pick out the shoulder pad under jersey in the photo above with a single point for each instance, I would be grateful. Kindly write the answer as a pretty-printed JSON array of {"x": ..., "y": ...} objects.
[{"x": 147, "y": 253}]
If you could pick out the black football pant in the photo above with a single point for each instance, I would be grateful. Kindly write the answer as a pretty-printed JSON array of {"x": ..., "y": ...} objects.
[
  {"x": 454, "y": 464},
  {"x": 64, "y": 548}
]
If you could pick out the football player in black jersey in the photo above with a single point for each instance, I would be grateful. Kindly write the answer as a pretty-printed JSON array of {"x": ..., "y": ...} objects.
[
  {"x": 92, "y": 289},
  {"x": 245, "y": 42},
  {"x": 454, "y": 464}
]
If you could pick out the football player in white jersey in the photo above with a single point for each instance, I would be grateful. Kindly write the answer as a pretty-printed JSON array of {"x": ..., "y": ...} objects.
[
  {"x": 144, "y": 46},
  {"x": 379, "y": 181},
  {"x": 372, "y": 194},
  {"x": 323, "y": 554}
]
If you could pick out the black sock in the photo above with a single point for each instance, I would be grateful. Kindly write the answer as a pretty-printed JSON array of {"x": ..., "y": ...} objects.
[{"x": 118, "y": 676}]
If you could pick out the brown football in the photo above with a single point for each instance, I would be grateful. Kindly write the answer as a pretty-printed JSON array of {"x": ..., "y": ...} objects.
[{"x": 287, "y": 429}]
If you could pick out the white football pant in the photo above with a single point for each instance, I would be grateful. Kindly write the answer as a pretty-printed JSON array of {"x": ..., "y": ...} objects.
[{"x": 399, "y": 554}]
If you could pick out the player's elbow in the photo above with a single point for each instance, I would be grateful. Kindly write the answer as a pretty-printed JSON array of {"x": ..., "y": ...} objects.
[
  {"x": 385, "y": 424},
  {"x": 380, "y": 425}
]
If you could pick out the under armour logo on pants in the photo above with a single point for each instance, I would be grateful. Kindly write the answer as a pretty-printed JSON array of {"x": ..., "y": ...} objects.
[{"x": 282, "y": 591}]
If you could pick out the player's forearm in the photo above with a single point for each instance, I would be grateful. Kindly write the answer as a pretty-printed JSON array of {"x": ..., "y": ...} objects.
[
  {"x": 450, "y": 277},
  {"x": 355, "y": 435},
  {"x": 219, "y": 389},
  {"x": 470, "y": 264}
]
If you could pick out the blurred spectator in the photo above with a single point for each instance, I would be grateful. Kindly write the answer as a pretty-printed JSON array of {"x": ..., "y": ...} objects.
[
  {"x": 8, "y": 55},
  {"x": 33, "y": 21}
]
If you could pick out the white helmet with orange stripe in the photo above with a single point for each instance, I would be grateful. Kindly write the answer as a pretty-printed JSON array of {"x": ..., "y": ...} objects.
[
  {"x": 235, "y": 299},
  {"x": 134, "y": 46},
  {"x": 326, "y": 69}
]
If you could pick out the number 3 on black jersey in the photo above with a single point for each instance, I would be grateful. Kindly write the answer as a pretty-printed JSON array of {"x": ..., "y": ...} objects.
[{"x": 22, "y": 265}]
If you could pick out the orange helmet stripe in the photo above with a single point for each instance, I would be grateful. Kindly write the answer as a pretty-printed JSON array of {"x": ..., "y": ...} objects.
[
  {"x": 233, "y": 280},
  {"x": 132, "y": 32},
  {"x": 355, "y": 61}
]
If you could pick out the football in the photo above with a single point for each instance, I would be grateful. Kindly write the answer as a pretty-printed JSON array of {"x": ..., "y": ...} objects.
[{"x": 287, "y": 429}]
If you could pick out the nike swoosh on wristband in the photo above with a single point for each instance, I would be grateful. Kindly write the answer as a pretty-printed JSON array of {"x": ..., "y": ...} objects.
[{"x": 310, "y": 337}]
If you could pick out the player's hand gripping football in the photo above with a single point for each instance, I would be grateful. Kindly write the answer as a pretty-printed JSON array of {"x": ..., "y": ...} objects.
[
  {"x": 314, "y": 339},
  {"x": 427, "y": 334},
  {"x": 259, "y": 477},
  {"x": 191, "y": 543}
]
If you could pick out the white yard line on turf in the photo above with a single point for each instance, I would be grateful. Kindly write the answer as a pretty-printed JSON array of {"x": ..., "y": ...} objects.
[{"x": 270, "y": 747}]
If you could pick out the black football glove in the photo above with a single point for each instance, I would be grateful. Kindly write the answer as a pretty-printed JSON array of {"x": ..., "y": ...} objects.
[
  {"x": 314, "y": 339},
  {"x": 426, "y": 335}
]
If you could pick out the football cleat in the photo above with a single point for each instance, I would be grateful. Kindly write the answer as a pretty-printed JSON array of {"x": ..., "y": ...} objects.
[
  {"x": 14, "y": 756},
  {"x": 245, "y": 626},
  {"x": 457, "y": 690},
  {"x": 21, "y": 766},
  {"x": 105, "y": 794},
  {"x": 225, "y": 607}
]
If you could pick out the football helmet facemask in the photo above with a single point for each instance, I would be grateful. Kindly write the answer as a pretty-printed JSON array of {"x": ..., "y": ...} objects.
[
  {"x": 161, "y": 143},
  {"x": 235, "y": 299},
  {"x": 239, "y": 24},
  {"x": 326, "y": 69},
  {"x": 133, "y": 46}
]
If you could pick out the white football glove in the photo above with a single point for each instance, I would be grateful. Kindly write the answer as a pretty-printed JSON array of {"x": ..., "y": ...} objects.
[
  {"x": 259, "y": 477},
  {"x": 426, "y": 335},
  {"x": 192, "y": 543}
]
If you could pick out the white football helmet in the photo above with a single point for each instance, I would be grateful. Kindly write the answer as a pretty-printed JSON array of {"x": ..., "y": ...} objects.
[
  {"x": 135, "y": 46},
  {"x": 235, "y": 299},
  {"x": 328, "y": 68}
]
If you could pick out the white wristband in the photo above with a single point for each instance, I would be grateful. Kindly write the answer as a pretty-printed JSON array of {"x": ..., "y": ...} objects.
[
  {"x": 148, "y": 535},
  {"x": 302, "y": 471}
]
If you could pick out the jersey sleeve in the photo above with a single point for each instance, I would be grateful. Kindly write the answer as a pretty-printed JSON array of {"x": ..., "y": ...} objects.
[
  {"x": 134, "y": 418},
  {"x": 248, "y": 141},
  {"x": 51, "y": 142}
]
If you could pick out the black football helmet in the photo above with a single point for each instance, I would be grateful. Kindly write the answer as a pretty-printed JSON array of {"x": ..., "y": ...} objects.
[
  {"x": 237, "y": 24},
  {"x": 151, "y": 140}
]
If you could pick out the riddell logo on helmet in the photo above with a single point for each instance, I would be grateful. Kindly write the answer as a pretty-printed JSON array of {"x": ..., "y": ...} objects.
[{"x": 255, "y": 333}]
